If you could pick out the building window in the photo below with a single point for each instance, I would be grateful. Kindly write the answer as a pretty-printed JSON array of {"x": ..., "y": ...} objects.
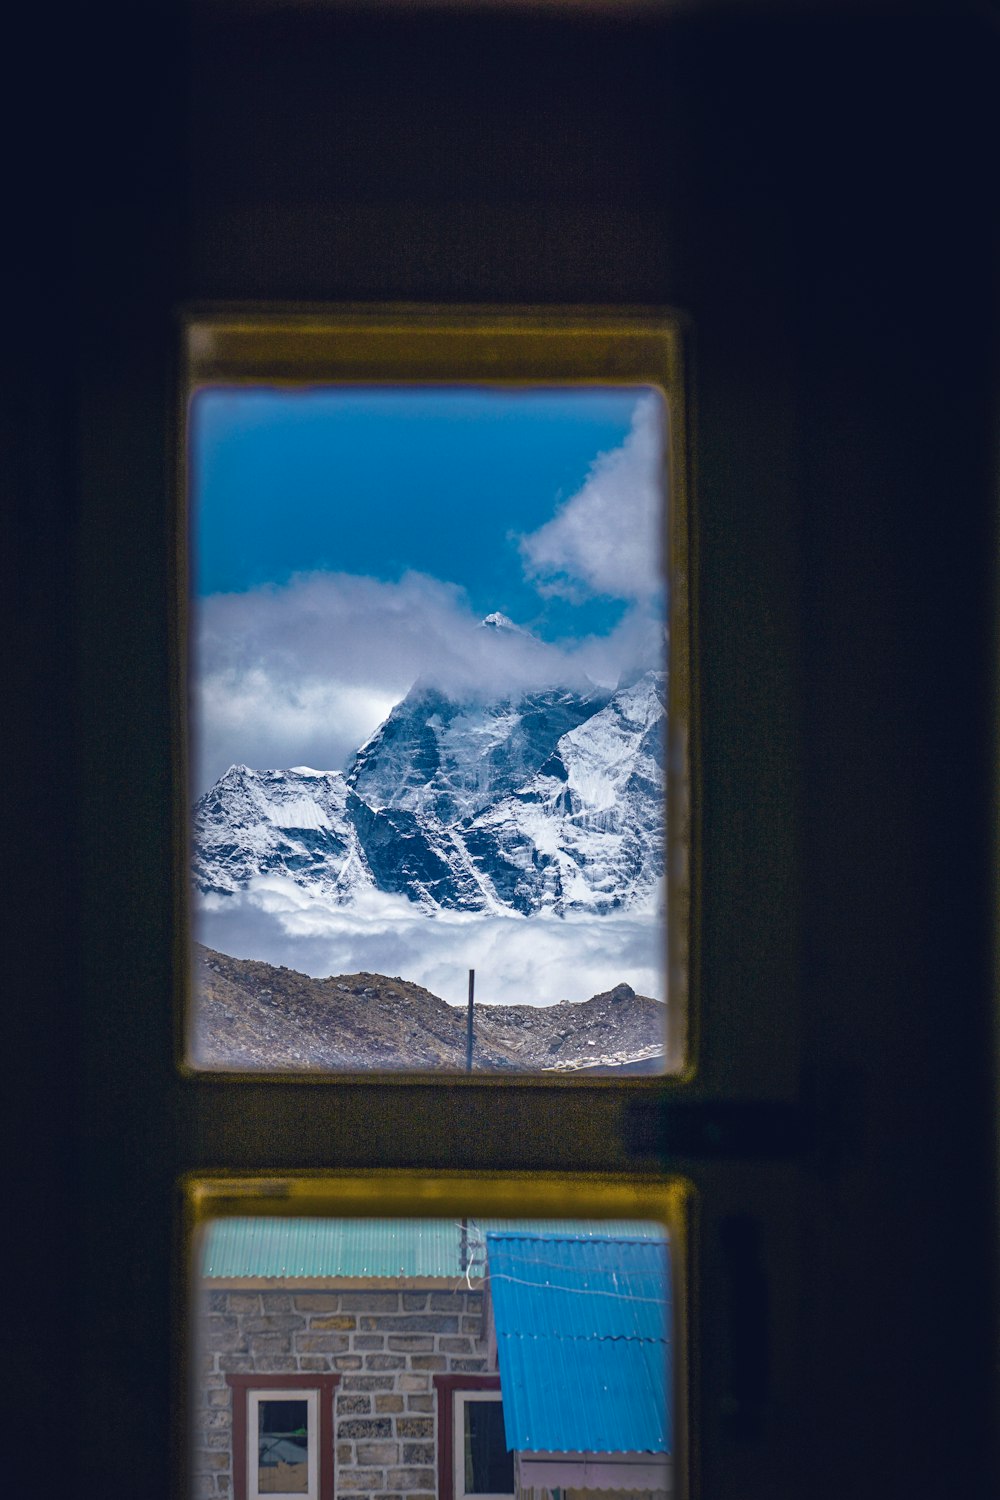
[
  {"x": 282, "y": 1436},
  {"x": 474, "y": 1462},
  {"x": 483, "y": 1466}
]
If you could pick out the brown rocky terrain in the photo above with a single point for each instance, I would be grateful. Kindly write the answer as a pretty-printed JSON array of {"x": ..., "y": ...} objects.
[{"x": 254, "y": 1016}]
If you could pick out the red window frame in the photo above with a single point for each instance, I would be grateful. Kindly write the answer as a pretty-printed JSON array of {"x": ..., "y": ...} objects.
[
  {"x": 242, "y": 1385},
  {"x": 446, "y": 1386}
]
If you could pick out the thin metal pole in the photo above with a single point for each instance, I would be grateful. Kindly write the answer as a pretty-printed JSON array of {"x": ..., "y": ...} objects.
[
  {"x": 464, "y": 1244},
  {"x": 468, "y": 1024}
]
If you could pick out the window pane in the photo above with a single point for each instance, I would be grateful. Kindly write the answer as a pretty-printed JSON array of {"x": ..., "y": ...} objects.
[
  {"x": 374, "y": 1354},
  {"x": 429, "y": 725},
  {"x": 489, "y": 1467},
  {"x": 283, "y": 1447}
]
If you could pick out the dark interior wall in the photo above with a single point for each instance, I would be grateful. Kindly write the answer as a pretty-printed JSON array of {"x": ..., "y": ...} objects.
[
  {"x": 816, "y": 197},
  {"x": 899, "y": 559},
  {"x": 428, "y": 157}
]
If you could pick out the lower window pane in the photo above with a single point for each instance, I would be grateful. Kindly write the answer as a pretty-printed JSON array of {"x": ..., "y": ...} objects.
[{"x": 433, "y": 1359}]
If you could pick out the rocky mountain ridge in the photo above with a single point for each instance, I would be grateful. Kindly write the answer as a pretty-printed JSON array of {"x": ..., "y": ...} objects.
[{"x": 254, "y": 1016}]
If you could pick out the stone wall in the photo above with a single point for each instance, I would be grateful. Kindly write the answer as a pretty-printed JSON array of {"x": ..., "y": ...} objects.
[{"x": 385, "y": 1345}]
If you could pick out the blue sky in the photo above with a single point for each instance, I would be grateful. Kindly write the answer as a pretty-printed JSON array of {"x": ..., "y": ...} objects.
[
  {"x": 347, "y": 541},
  {"x": 380, "y": 482}
]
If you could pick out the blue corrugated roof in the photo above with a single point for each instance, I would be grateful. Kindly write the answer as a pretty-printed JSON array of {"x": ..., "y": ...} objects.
[
  {"x": 583, "y": 1341},
  {"x": 368, "y": 1248}
]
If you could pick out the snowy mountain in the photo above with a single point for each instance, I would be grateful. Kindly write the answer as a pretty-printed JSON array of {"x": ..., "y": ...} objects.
[
  {"x": 587, "y": 830},
  {"x": 550, "y": 801},
  {"x": 310, "y": 827},
  {"x": 300, "y": 823},
  {"x": 448, "y": 759},
  {"x": 498, "y": 621}
]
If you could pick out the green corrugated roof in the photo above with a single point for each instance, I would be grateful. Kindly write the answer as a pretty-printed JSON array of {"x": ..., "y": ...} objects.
[{"x": 313, "y": 1249}]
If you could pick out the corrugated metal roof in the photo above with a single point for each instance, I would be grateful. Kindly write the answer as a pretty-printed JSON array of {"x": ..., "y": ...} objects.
[
  {"x": 320, "y": 1248},
  {"x": 369, "y": 1248},
  {"x": 583, "y": 1341}
]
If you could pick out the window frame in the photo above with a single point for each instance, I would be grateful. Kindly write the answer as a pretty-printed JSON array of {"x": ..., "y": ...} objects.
[
  {"x": 667, "y": 1199},
  {"x": 460, "y": 1401},
  {"x": 450, "y": 1389},
  {"x": 395, "y": 345},
  {"x": 245, "y": 1389},
  {"x": 608, "y": 1123}
]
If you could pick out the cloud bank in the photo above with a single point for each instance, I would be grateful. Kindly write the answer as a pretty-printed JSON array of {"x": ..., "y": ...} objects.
[
  {"x": 607, "y": 539},
  {"x": 302, "y": 674},
  {"x": 535, "y": 961}
]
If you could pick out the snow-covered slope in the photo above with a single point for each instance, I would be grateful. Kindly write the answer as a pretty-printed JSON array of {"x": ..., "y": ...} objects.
[
  {"x": 587, "y": 831},
  {"x": 547, "y": 802},
  {"x": 448, "y": 759},
  {"x": 300, "y": 823}
]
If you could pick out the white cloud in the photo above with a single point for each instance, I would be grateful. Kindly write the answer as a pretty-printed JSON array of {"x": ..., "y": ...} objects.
[
  {"x": 301, "y": 674},
  {"x": 607, "y": 539},
  {"x": 517, "y": 960}
]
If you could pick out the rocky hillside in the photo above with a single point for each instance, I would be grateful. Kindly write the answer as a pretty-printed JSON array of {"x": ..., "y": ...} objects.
[{"x": 254, "y": 1016}]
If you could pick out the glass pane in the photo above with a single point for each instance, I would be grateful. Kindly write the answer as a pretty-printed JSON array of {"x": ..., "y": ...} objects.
[
  {"x": 429, "y": 724},
  {"x": 487, "y": 1344},
  {"x": 489, "y": 1467},
  {"x": 283, "y": 1447}
]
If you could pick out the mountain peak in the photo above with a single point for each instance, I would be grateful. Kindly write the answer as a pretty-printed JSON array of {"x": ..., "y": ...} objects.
[{"x": 499, "y": 621}]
